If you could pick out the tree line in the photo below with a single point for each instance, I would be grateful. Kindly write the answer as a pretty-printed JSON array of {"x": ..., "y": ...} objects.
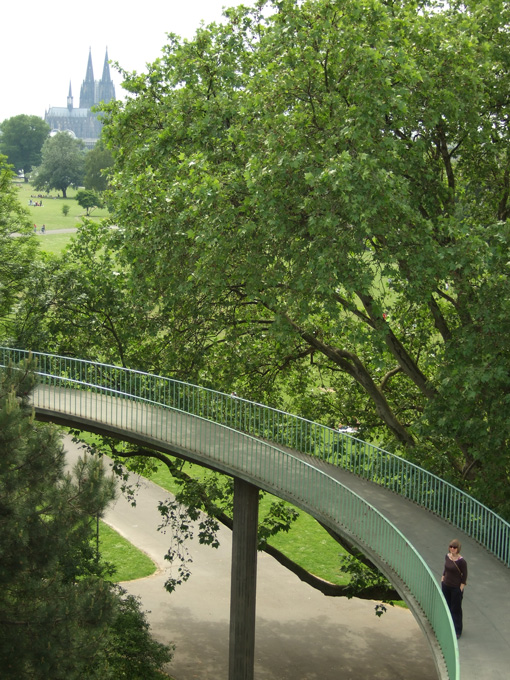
[{"x": 55, "y": 161}]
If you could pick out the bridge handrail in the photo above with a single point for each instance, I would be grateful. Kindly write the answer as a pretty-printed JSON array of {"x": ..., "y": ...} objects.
[
  {"x": 323, "y": 495},
  {"x": 287, "y": 430}
]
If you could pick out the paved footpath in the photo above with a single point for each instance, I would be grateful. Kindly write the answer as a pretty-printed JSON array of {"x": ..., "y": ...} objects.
[{"x": 300, "y": 633}]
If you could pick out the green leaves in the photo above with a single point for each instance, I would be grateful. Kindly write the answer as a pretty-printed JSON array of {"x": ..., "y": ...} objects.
[
  {"x": 318, "y": 191},
  {"x": 62, "y": 164},
  {"x": 279, "y": 518},
  {"x": 97, "y": 162},
  {"x": 88, "y": 200},
  {"x": 17, "y": 247},
  {"x": 21, "y": 140},
  {"x": 60, "y": 618},
  {"x": 53, "y": 607}
]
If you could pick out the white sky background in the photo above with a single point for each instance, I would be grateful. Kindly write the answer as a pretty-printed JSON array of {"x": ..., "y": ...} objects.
[{"x": 44, "y": 46}]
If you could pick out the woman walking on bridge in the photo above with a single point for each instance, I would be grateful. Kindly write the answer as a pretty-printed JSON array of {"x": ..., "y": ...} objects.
[{"x": 453, "y": 583}]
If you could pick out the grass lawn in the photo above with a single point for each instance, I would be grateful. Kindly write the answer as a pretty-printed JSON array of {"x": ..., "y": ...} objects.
[
  {"x": 54, "y": 243},
  {"x": 130, "y": 563},
  {"x": 50, "y": 213}
]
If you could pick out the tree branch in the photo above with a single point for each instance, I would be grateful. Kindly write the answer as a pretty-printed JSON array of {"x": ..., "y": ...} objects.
[
  {"x": 375, "y": 592},
  {"x": 352, "y": 365},
  {"x": 397, "y": 349}
]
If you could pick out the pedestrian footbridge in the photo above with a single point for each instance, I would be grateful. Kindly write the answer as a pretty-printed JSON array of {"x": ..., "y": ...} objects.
[{"x": 399, "y": 515}]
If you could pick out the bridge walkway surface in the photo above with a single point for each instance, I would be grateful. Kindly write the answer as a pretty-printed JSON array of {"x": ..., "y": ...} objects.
[{"x": 485, "y": 646}]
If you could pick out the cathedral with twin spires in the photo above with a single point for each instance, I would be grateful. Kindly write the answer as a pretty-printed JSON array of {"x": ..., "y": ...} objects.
[{"x": 82, "y": 122}]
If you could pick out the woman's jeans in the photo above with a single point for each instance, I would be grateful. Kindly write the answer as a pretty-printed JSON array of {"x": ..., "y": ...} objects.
[{"x": 453, "y": 597}]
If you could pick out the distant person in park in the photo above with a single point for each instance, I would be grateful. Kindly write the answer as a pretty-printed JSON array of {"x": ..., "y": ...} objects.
[
  {"x": 453, "y": 582},
  {"x": 43, "y": 229}
]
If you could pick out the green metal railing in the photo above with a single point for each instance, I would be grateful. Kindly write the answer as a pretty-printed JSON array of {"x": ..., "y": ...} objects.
[
  {"x": 244, "y": 438},
  {"x": 289, "y": 431}
]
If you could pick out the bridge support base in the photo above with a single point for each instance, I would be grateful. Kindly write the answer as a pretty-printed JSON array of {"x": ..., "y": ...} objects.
[{"x": 243, "y": 581}]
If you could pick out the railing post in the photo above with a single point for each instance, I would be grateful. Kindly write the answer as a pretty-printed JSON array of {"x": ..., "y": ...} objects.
[{"x": 243, "y": 588}]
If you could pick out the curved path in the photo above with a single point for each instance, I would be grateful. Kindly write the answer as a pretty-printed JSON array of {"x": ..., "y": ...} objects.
[
  {"x": 485, "y": 646},
  {"x": 301, "y": 635}
]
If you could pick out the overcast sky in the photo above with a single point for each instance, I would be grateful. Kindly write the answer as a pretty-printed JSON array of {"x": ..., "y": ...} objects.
[{"x": 43, "y": 46}]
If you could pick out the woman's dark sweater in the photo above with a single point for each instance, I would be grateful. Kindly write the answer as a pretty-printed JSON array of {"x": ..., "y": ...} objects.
[{"x": 452, "y": 576}]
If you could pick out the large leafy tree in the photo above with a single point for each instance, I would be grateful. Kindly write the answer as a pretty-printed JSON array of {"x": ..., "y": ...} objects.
[
  {"x": 97, "y": 162},
  {"x": 321, "y": 191},
  {"x": 313, "y": 210},
  {"x": 88, "y": 308},
  {"x": 63, "y": 158},
  {"x": 21, "y": 140},
  {"x": 17, "y": 247}
]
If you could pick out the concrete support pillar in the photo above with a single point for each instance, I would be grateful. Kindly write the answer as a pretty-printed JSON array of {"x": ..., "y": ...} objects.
[{"x": 244, "y": 581}]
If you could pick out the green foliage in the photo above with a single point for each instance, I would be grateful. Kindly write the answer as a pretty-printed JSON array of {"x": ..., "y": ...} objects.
[
  {"x": 59, "y": 617},
  {"x": 65, "y": 209},
  {"x": 130, "y": 653},
  {"x": 53, "y": 604},
  {"x": 16, "y": 254},
  {"x": 97, "y": 162},
  {"x": 21, "y": 140},
  {"x": 279, "y": 518},
  {"x": 324, "y": 191},
  {"x": 311, "y": 208},
  {"x": 88, "y": 200},
  {"x": 362, "y": 577},
  {"x": 62, "y": 164},
  {"x": 380, "y": 609},
  {"x": 89, "y": 308}
]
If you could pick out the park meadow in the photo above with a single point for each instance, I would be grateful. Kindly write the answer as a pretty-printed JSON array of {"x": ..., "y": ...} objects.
[{"x": 49, "y": 212}]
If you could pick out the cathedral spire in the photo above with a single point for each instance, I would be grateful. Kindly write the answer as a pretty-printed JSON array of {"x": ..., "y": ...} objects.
[
  {"x": 106, "y": 69},
  {"x": 88, "y": 88},
  {"x": 106, "y": 88},
  {"x": 84, "y": 121},
  {"x": 70, "y": 98},
  {"x": 90, "y": 71}
]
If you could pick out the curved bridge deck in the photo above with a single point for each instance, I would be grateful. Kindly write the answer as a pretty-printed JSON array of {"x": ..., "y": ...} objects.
[
  {"x": 406, "y": 541},
  {"x": 486, "y": 640}
]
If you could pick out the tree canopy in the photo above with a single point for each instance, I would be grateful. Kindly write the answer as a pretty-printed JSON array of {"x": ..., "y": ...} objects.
[
  {"x": 16, "y": 253},
  {"x": 312, "y": 209},
  {"x": 52, "y": 607},
  {"x": 320, "y": 191},
  {"x": 63, "y": 158},
  {"x": 21, "y": 140},
  {"x": 97, "y": 162},
  {"x": 59, "y": 618},
  {"x": 88, "y": 200}
]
